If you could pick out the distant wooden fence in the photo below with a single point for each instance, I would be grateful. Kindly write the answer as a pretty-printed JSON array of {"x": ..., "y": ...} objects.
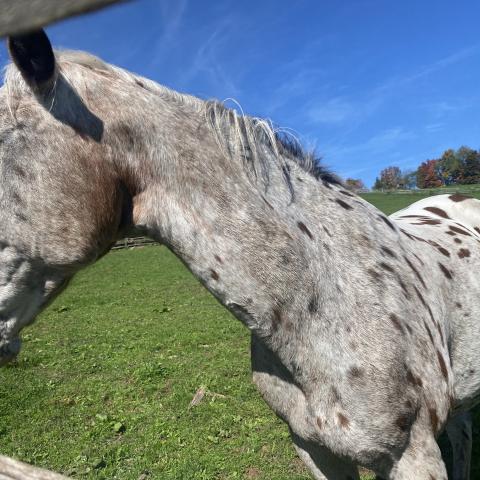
[
  {"x": 132, "y": 242},
  {"x": 428, "y": 192}
]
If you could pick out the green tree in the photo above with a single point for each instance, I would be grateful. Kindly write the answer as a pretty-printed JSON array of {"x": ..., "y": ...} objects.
[
  {"x": 354, "y": 184},
  {"x": 409, "y": 179},
  {"x": 449, "y": 167},
  {"x": 470, "y": 165},
  {"x": 391, "y": 177},
  {"x": 378, "y": 185}
]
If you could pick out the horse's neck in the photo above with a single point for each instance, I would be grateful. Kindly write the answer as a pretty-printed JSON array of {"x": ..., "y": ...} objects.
[{"x": 258, "y": 250}]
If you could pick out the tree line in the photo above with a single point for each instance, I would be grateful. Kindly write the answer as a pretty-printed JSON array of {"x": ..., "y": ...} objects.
[{"x": 454, "y": 167}]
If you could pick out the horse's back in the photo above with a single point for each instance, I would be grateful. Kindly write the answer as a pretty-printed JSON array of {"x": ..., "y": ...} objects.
[{"x": 457, "y": 207}]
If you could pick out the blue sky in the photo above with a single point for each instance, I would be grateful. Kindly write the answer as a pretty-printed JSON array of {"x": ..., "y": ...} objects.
[{"x": 367, "y": 83}]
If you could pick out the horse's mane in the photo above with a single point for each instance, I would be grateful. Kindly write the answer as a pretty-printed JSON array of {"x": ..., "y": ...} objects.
[
  {"x": 256, "y": 139},
  {"x": 253, "y": 139}
]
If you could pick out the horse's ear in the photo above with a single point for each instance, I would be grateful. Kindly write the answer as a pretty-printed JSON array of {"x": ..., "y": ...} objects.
[{"x": 33, "y": 55}]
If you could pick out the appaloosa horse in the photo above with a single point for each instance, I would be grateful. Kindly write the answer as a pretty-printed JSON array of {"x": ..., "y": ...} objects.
[{"x": 365, "y": 331}]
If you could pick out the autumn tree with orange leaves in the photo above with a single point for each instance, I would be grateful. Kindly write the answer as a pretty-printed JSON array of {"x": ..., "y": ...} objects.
[{"x": 427, "y": 176}]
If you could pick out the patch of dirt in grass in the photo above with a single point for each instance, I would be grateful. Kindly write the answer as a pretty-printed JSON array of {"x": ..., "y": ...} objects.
[{"x": 252, "y": 472}]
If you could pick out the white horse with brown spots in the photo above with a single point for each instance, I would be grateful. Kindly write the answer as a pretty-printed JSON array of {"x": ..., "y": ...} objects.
[{"x": 363, "y": 331}]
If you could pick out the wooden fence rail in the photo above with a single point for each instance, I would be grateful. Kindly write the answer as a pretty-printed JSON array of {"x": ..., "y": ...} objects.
[
  {"x": 425, "y": 191},
  {"x": 11, "y": 469},
  {"x": 18, "y": 16}
]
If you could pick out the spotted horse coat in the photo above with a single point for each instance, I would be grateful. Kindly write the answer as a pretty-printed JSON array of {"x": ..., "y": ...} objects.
[
  {"x": 364, "y": 337},
  {"x": 427, "y": 291}
]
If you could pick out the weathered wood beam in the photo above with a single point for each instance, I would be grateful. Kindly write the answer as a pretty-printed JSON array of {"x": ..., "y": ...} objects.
[
  {"x": 11, "y": 469},
  {"x": 19, "y": 16}
]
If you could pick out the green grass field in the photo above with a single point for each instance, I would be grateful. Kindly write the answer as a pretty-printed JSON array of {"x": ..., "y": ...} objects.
[{"x": 103, "y": 385}]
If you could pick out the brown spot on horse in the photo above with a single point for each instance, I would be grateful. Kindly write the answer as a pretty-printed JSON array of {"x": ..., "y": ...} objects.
[
  {"x": 343, "y": 204},
  {"x": 387, "y": 267},
  {"x": 270, "y": 206},
  {"x": 428, "y": 221},
  {"x": 464, "y": 252},
  {"x": 420, "y": 261},
  {"x": 461, "y": 231},
  {"x": 443, "y": 251},
  {"x": 458, "y": 197},
  {"x": 417, "y": 273},
  {"x": 305, "y": 230},
  {"x": 445, "y": 271},
  {"x": 437, "y": 211},
  {"x": 373, "y": 273},
  {"x": 403, "y": 422},
  {"x": 388, "y": 251},
  {"x": 276, "y": 318},
  {"x": 397, "y": 323},
  {"x": 413, "y": 379},
  {"x": 344, "y": 421},
  {"x": 433, "y": 419},
  {"x": 443, "y": 366},
  {"x": 313, "y": 303},
  {"x": 355, "y": 372},
  {"x": 410, "y": 236},
  {"x": 387, "y": 221},
  {"x": 404, "y": 287},
  {"x": 429, "y": 332},
  {"x": 420, "y": 296}
]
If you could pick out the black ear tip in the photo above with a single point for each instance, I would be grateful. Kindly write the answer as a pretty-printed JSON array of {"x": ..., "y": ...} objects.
[{"x": 33, "y": 55}]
